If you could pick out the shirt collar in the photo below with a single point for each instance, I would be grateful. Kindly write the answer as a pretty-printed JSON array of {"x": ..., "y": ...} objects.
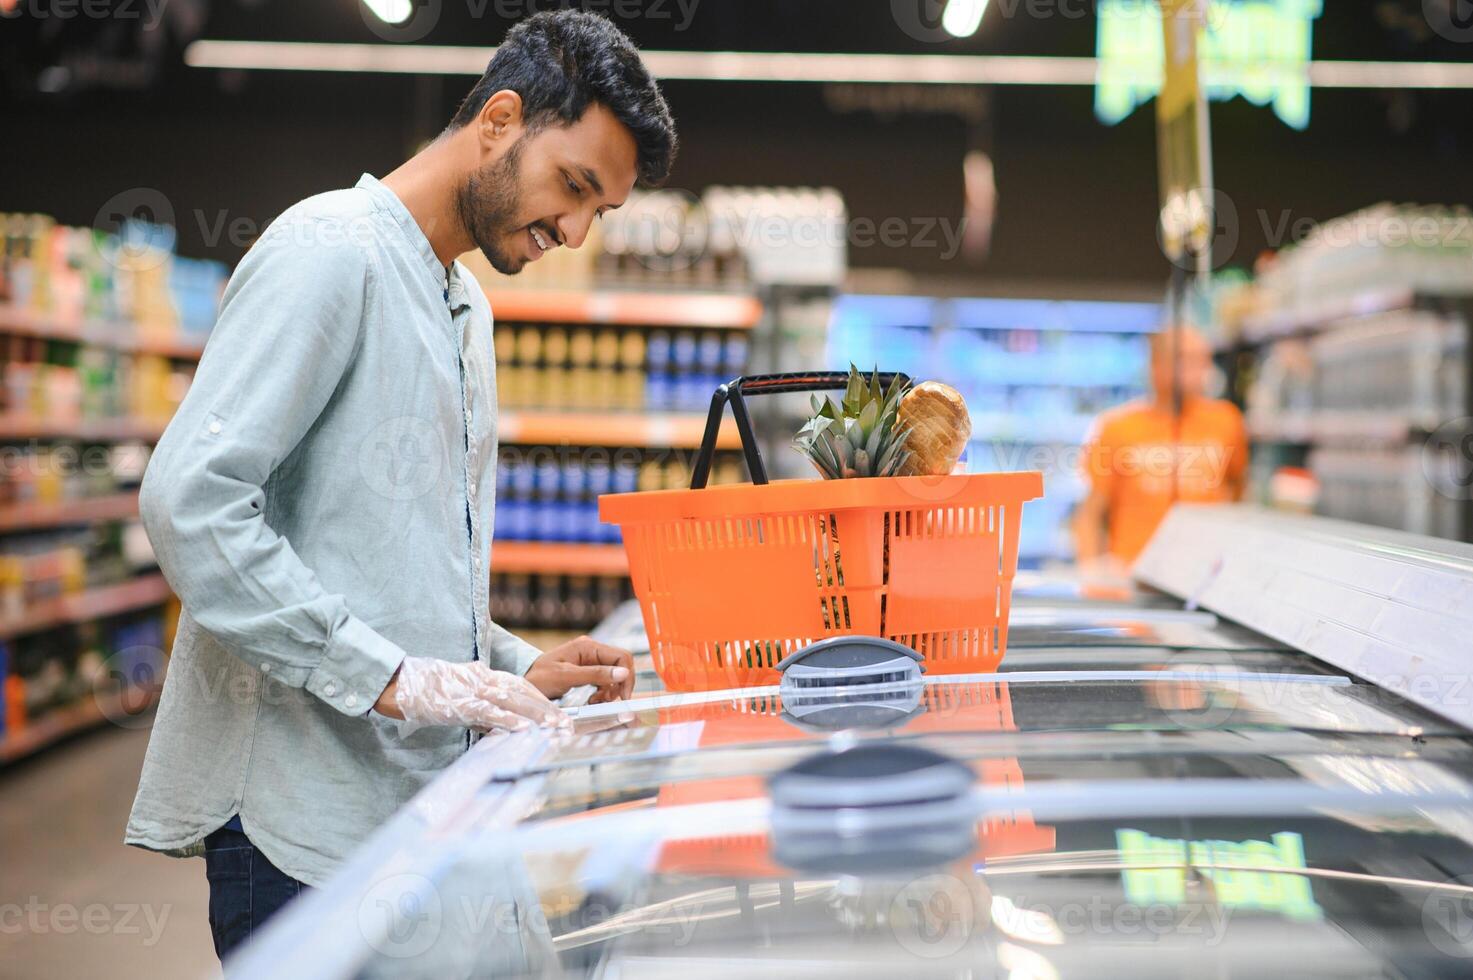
[{"x": 388, "y": 201}]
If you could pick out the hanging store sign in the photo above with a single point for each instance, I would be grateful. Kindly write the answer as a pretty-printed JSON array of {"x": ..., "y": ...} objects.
[
  {"x": 1257, "y": 49},
  {"x": 1184, "y": 146}
]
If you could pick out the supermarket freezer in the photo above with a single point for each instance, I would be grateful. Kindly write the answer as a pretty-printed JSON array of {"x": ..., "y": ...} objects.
[{"x": 1191, "y": 797}]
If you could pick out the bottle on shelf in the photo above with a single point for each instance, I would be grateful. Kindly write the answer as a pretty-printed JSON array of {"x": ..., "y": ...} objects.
[{"x": 555, "y": 602}]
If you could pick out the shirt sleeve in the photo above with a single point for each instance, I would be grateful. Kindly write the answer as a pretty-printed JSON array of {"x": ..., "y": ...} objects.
[
  {"x": 288, "y": 328},
  {"x": 510, "y": 652}
]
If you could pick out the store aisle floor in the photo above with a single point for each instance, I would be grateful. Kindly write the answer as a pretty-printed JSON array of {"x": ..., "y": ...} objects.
[{"x": 74, "y": 901}]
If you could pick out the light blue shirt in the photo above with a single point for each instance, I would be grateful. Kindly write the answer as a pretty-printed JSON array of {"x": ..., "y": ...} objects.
[{"x": 322, "y": 505}]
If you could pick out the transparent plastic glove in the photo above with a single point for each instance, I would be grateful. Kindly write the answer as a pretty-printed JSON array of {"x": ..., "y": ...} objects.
[{"x": 471, "y": 695}]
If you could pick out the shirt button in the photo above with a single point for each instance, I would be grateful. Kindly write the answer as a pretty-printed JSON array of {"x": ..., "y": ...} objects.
[
  {"x": 351, "y": 700},
  {"x": 215, "y": 428},
  {"x": 329, "y": 689}
]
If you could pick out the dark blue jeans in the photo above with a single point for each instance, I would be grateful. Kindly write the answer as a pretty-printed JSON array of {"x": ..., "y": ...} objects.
[{"x": 245, "y": 888}]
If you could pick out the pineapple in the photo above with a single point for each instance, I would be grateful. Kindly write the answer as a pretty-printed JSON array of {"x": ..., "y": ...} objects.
[{"x": 863, "y": 436}]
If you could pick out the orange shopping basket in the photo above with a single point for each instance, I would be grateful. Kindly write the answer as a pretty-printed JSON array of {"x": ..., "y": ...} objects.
[{"x": 732, "y": 579}]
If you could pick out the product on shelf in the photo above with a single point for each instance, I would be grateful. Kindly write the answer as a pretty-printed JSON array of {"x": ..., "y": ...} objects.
[
  {"x": 1373, "y": 261},
  {"x": 1404, "y": 365},
  {"x": 128, "y": 284},
  {"x": 68, "y": 666},
  {"x": 666, "y": 239},
  {"x": 95, "y": 326},
  {"x": 629, "y": 369},
  {"x": 68, "y": 472},
  {"x": 788, "y": 235},
  {"x": 44, "y": 564},
  {"x": 1351, "y": 359},
  {"x": 72, "y": 383},
  {"x": 1387, "y": 247},
  {"x": 556, "y": 602},
  {"x": 546, "y": 493},
  {"x": 43, "y": 571},
  {"x": 1387, "y": 487}
]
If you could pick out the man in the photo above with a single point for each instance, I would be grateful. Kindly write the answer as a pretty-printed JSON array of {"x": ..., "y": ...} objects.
[
  {"x": 1142, "y": 457},
  {"x": 322, "y": 501}
]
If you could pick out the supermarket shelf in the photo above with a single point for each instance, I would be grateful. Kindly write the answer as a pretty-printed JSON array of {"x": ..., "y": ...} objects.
[
  {"x": 632, "y": 429},
  {"x": 16, "y": 322},
  {"x": 715, "y": 310},
  {"x": 1287, "y": 323},
  {"x": 1340, "y": 428},
  {"x": 1283, "y": 324},
  {"x": 1290, "y": 429},
  {"x": 61, "y": 722},
  {"x": 27, "y": 516},
  {"x": 21, "y": 426},
  {"x": 540, "y": 557},
  {"x": 139, "y": 593}
]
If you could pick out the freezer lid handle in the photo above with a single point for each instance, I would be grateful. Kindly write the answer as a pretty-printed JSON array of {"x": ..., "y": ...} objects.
[{"x": 849, "y": 660}]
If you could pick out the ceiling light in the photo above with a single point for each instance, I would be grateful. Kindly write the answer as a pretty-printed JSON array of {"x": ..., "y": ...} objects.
[
  {"x": 749, "y": 66},
  {"x": 391, "y": 11},
  {"x": 963, "y": 17}
]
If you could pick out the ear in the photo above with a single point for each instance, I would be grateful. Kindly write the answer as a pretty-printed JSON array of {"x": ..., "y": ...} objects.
[{"x": 499, "y": 123}]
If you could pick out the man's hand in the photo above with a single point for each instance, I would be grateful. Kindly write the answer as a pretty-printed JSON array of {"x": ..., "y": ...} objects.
[
  {"x": 465, "y": 695},
  {"x": 388, "y": 702},
  {"x": 584, "y": 661}
]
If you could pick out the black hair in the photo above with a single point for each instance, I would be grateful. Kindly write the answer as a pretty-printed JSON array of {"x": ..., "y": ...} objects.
[{"x": 562, "y": 61}]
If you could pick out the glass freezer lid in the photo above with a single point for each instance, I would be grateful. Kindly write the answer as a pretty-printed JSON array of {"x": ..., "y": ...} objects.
[
  {"x": 1056, "y": 626},
  {"x": 1026, "y": 659},
  {"x": 725, "y": 888},
  {"x": 1250, "y": 763},
  {"x": 1184, "y": 698},
  {"x": 1075, "y": 658},
  {"x": 1101, "y": 899}
]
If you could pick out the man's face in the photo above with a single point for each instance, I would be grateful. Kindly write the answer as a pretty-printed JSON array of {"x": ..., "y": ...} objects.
[
  {"x": 1193, "y": 366},
  {"x": 547, "y": 189}
]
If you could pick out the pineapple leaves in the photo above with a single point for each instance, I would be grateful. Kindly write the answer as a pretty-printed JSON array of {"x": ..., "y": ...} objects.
[{"x": 862, "y": 435}]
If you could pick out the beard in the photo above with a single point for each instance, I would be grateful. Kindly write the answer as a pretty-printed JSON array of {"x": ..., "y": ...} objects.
[{"x": 487, "y": 205}]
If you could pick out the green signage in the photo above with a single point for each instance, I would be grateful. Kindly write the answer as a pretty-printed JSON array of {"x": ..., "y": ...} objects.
[
  {"x": 1259, "y": 49},
  {"x": 1244, "y": 874}
]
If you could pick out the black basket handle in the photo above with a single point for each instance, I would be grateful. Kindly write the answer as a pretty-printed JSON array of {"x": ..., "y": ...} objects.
[{"x": 735, "y": 392}]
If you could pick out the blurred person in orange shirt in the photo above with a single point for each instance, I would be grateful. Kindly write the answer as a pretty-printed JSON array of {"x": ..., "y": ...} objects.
[{"x": 1142, "y": 457}]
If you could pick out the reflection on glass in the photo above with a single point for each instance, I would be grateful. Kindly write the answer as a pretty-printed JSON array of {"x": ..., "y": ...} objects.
[{"x": 1250, "y": 874}]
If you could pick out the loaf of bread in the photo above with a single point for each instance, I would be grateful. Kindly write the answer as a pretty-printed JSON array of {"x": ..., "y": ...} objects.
[{"x": 939, "y": 428}]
